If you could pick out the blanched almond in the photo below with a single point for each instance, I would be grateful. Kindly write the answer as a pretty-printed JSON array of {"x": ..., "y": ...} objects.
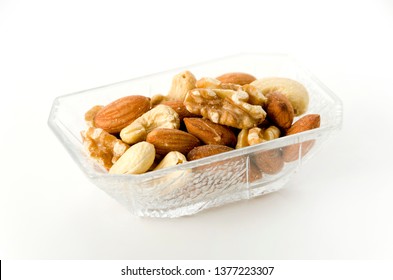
[{"x": 136, "y": 160}]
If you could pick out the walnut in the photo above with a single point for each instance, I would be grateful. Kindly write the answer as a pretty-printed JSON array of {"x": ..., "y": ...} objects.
[
  {"x": 270, "y": 161},
  {"x": 89, "y": 115},
  {"x": 105, "y": 148},
  {"x": 258, "y": 135},
  {"x": 242, "y": 139},
  {"x": 224, "y": 106},
  {"x": 207, "y": 82},
  {"x": 256, "y": 95}
]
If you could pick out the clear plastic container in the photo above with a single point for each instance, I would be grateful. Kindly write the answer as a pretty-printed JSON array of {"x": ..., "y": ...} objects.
[{"x": 209, "y": 182}]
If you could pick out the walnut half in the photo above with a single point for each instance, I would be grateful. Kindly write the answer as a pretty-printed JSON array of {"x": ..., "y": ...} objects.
[{"x": 229, "y": 109}]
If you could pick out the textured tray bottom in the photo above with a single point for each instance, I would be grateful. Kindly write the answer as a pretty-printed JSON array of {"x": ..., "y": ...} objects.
[{"x": 192, "y": 209}]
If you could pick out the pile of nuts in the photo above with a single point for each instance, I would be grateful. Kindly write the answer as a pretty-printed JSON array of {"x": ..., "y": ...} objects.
[{"x": 199, "y": 118}]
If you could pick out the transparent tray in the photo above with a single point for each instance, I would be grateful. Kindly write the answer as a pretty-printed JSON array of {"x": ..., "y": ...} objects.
[{"x": 214, "y": 181}]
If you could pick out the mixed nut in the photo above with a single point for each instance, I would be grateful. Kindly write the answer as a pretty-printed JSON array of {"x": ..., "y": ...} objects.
[{"x": 199, "y": 118}]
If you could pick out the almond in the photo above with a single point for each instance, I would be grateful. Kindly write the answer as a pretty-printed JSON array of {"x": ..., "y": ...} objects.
[
  {"x": 307, "y": 122},
  {"x": 179, "y": 108},
  {"x": 121, "y": 112},
  {"x": 166, "y": 140},
  {"x": 270, "y": 162},
  {"x": 207, "y": 150},
  {"x": 236, "y": 78},
  {"x": 209, "y": 132},
  {"x": 254, "y": 173},
  {"x": 279, "y": 110}
]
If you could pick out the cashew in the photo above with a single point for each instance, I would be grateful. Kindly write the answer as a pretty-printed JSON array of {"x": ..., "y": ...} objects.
[
  {"x": 171, "y": 159},
  {"x": 161, "y": 116},
  {"x": 181, "y": 84},
  {"x": 136, "y": 160},
  {"x": 293, "y": 90}
]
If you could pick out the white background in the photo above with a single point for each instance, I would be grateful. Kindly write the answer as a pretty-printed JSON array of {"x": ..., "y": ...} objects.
[{"x": 339, "y": 206}]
